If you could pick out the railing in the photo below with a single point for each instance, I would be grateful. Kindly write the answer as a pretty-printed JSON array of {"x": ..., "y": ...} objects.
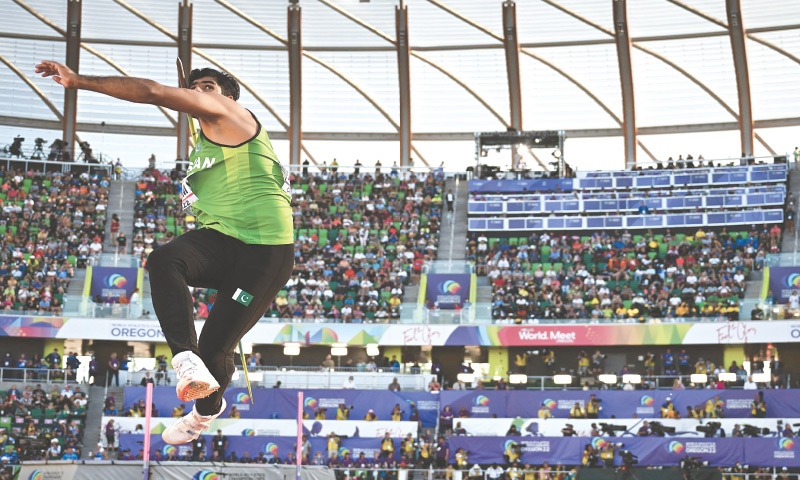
[
  {"x": 304, "y": 377},
  {"x": 37, "y": 375},
  {"x": 410, "y": 314}
]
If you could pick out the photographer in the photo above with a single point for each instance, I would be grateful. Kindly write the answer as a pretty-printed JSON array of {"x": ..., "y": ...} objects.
[
  {"x": 568, "y": 430},
  {"x": 320, "y": 414},
  {"x": 589, "y": 457},
  {"x": 397, "y": 413},
  {"x": 343, "y": 413},
  {"x": 370, "y": 416},
  {"x": 511, "y": 453},
  {"x": 758, "y": 407},
  {"x": 593, "y": 407},
  {"x": 333, "y": 446},
  {"x": 387, "y": 446},
  {"x": 607, "y": 454}
]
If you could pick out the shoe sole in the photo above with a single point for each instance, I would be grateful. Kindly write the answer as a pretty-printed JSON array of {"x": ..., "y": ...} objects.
[{"x": 195, "y": 389}]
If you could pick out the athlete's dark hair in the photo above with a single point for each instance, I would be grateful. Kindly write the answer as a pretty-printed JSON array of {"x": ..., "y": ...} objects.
[{"x": 228, "y": 84}]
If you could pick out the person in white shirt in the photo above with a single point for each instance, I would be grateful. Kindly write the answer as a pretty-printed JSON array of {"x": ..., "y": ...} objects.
[
  {"x": 349, "y": 384},
  {"x": 494, "y": 472},
  {"x": 749, "y": 384}
]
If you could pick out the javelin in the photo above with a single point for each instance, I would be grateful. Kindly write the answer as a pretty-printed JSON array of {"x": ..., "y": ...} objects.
[
  {"x": 246, "y": 376},
  {"x": 182, "y": 83}
]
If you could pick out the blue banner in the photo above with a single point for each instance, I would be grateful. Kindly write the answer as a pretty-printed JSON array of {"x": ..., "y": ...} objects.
[
  {"x": 655, "y": 451},
  {"x": 620, "y": 404},
  {"x": 783, "y": 281},
  {"x": 447, "y": 290},
  {"x": 110, "y": 282},
  {"x": 271, "y": 446},
  {"x": 282, "y": 403}
]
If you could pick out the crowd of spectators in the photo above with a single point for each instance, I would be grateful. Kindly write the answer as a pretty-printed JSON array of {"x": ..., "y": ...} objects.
[
  {"x": 361, "y": 237},
  {"x": 44, "y": 424},
  {"x": 360, "y": 240},
  {"x": 619, "y": 276},
  {"x": 50, "y": 223}
]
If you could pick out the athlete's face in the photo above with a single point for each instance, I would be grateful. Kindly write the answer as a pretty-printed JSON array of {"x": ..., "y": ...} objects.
[{"x": 206, "y": 85}]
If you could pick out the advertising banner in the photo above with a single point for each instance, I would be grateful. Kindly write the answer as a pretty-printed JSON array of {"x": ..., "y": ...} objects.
[
  {"x": 652, "y": 451},
  {"x": 620, "y": 404},
  {"x": 280, "y": 403},
  {"x": 109, "y": 283},
  {"x": 598, "y": 335},
  {"x": 447, "y": 290},
  {"x": 782, "y": 281}
]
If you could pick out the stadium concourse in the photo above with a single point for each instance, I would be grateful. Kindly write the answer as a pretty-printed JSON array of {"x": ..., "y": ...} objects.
[{"x": 430, "y": 395}]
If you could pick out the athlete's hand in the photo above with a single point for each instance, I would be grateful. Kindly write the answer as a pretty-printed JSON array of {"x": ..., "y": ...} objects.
[{"x": 62, "y": 74}]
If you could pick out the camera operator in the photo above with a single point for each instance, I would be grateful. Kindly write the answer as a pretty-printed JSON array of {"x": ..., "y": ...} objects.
[
  {"x": 569, "y": 430},
  {"x": 16, "y": 146},
  {"x": 320, "y": 414}
]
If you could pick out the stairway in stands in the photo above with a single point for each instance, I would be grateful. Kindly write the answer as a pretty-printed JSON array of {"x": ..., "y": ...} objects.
[
  {"x": 789, "y": 245},
  {"x": 120, "y": 201},
  {"x": 93, "y": 430}
]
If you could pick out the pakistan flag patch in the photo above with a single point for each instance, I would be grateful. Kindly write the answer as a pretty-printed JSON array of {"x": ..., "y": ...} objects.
[{"x": 242, "y": 297}]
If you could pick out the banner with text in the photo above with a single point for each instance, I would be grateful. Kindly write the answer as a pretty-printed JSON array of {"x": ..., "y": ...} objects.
[
  {"x": 109, "y": 283},
  {"x": 447, "y": 290},
  {"x": 783, "y": 281},
  {"x": 620, "y": 404},
  {"x": 280, "y": 403}
]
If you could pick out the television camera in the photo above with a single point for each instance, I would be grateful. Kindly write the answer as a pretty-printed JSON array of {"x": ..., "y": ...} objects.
[
  {"x": 659, "y": 429},
  {"x": 610, "y": 430},
  {"x": 752, "y": 431},
  {"x": 16, "y": 146},
  {"x": 689, "y": 464},
  {"x": 710, "y": 429},
  {"x": 629, "y": 459}
]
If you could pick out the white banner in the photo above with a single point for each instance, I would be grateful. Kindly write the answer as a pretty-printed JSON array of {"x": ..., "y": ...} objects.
[
  {"x": 280, "y": 428},
  {"x": 551, "y": 427}
]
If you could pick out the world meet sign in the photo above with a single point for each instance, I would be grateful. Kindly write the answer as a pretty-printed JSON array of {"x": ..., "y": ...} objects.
[{"x": 447, "y": 291}]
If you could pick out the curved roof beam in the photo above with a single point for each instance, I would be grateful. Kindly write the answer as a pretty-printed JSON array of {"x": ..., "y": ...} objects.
[
  {"x": 218, "y": 64},
  {"x": 36, "y": 89},
  {"x": 418, "y": 55},
  {"x": 542, "y": 60},
  {"x": 89, "y": 49},
  {"x": 723, "y": 24},
  {"x": 244, "y": 16},
  {"x": 665, "y": 60}
]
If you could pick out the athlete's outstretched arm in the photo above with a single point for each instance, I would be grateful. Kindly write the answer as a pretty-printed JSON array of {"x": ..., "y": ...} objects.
[{"x": 142, "y": 90}]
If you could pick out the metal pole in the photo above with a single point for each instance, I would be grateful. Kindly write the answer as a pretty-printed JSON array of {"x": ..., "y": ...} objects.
[
  {"x": 299, "y": 452},
  {"x": 148, "y": 415}
]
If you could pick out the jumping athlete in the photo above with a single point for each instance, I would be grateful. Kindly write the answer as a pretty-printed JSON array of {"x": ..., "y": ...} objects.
[{"x": 243, "y": 247}]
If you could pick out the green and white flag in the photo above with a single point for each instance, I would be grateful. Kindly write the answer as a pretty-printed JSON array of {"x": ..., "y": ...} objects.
[{"x": 242, "y": 297}]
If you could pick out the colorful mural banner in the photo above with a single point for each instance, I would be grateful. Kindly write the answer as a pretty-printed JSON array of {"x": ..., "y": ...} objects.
[
  {"x": 782, "y": 282},
  {"x": 109, "y": 283},
  {"x": 447, "y": 291},
  {"x": 705, "y": 333},
  {"x": 619, "y": 403},
  {"x": 281, "y": 403}
]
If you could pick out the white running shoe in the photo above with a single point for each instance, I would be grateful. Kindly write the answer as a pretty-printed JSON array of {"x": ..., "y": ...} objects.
[
  {"x": 194, "y": 379},
  {"x": 189, "y": 426}
]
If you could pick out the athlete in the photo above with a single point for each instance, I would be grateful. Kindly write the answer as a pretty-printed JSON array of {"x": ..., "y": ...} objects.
[{"x": 243, "y": 247}]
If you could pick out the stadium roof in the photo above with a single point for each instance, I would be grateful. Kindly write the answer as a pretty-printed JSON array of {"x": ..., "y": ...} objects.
[{"x": 683, "y": 71}]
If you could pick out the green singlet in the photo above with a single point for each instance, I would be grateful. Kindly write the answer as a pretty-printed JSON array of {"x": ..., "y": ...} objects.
[{"x": 242, "y": 191}]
